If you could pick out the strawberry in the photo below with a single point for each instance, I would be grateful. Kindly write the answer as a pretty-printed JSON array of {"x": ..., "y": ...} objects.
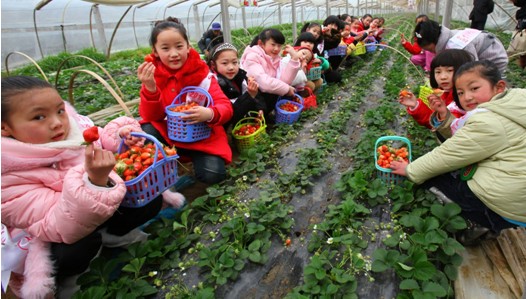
[
  {"x": 90, "y": 135},
  {"x": 149, "y": 58}
]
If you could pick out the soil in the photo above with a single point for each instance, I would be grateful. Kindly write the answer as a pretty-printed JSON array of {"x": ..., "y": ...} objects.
[{"x": 284, "y": 268}]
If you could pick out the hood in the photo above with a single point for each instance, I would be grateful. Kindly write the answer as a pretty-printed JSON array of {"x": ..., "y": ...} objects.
[
  {"x": 259, "y": 52},
  {"x": 509, "y": 104}
]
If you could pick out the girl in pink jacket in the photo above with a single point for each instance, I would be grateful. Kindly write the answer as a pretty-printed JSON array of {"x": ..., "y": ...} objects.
[
  {"x": 56, "y": 193},
  {"x": 261, "y": 60}
]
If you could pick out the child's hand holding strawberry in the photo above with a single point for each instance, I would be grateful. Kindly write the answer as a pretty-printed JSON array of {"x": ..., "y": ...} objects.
[
  {"x": 145, "y": 74},
  {"x": 407, "y": 99},
  {"x": 438, "y": 105},
  {"x": 98, "y": 164}
]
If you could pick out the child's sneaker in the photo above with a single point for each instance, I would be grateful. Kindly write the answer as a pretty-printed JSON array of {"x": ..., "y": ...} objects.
[{"x": 475, "y": 234}]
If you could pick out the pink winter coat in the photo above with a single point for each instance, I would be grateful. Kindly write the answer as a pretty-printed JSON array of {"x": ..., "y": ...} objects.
[
  {"x": 46, "y": 193},
  {"x": 264, "y": 69}
]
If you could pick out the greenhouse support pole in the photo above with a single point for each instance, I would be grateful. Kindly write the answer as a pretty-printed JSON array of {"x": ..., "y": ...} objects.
[
  {"x": 317, "y": 12},
  {"x": 100, "y": 27},
  {"x": 437, "y": 10},
  {"x": 225, "y": 18},
  {"x": 279, "y": 14},
  {"x": 327, "y": 7},
  {"x": 447, "y": 13},
  {"x": 244, "y": 16},
  {"x": 294, "y": 21},
  {"x": 197, "y": 20}
]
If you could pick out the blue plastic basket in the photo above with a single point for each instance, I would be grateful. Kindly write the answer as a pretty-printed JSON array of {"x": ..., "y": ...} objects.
[
  {"x": 161, "y": 175},
  {"x": 314, "y": 73},
  {"x": 370, "y": 44},
  {"x": 338, "y": 51},
  {"x": 287, "y": 117},
  {"x": 386, "y": 174},
  {"x": 179, "y": 129}
]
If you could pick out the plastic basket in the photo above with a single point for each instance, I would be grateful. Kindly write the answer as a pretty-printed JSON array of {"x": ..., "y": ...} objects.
[
  {"x": 338, "y": 51},
  {"x": 161, "y": 175},
  {"x": 385, "y": 174},
  {"x": 314, "y": 73},
  {"x": 323, "y": 85},
  {"x": 243, "y": 143},
  {"x": 287, "y": 117},
  {"x": 179, "y": 129},
  {"x": 360, "y": 49},
  {"x": 310, "y": 100},
  {"x": 424, "y": 92}
]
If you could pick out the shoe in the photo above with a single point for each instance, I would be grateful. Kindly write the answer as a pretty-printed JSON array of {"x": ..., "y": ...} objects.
[
  {"x": 133, "y": 236},
  {"x": 475, "y": 234},
  {"x": 183, "y": 182}
]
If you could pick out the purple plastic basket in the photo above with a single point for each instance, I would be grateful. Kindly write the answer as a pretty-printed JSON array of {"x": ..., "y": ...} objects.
[
  {"x": 338, "y": 51},
  {"x": 179, "y": 129},
  {"x": 287, "y": 117},
  {"x": 157, "y": 178}
]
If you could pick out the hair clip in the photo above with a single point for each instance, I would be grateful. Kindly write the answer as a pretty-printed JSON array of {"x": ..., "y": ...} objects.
[{"x": 418, "y": 35}]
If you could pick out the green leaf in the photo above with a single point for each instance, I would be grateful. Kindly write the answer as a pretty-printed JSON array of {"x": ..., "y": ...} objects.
[
  {"x": 451, "y": 272},
  {"x": 255, "y": 256},
  {"x": 255, "y": 245},
  {"x": 434, "y": 289},
  {"x": 409, "y": 284},
  {"x": 331, "y": 289},
  {"x": 405, "y": 267},
  {"x": 424, "y": 270},
  {"x": 320, "y": 274}
]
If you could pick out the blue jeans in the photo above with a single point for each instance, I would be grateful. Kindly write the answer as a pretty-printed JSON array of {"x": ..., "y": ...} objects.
[
  {"x": 209, "y": 169},
  {"x": 472, "y": 208}
]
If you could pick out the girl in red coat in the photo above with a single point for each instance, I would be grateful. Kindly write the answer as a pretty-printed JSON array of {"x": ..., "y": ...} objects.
[
  {"x": 177, "y": 65},
  {"x": 443, "y": 68}
]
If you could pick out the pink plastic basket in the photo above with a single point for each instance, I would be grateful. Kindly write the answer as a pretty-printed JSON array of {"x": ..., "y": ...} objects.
[
  {"x": 157, "y": 178},
  {"x": 179, "y": 129},
  {"x": 287, "y": 117}
]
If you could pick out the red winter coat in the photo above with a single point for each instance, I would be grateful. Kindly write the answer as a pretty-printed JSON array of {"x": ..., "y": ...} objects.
[
  {"x": 422, "y": 112},
  {"x": 169, "y": 84},
  {"x": 412, "y": 48}
]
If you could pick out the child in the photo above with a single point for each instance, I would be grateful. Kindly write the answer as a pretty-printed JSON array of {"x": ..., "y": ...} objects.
[
  {"x": 57, "y": 193},
  {"x": 443, "y": 68},
  {"x": 494, "y": 195},
  {"x": 419, "y": 56},
  {"x": 242, "y": 91},
  {"x": 262, "y": 60},
  {"x": 332, "y": 38},
  {"x": 316, "y": 30},
  {"x": 365, "y": 22},
  {"x": 307, "y": 40},
  {"x": 376, "y": 30},
  {"x": 176, "y": 66}
]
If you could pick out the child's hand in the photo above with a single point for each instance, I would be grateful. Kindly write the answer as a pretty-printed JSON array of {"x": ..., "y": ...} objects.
[
  {"x": 129, "y": 140},
  {"x": 402, "y": 39},
  {"x": 198, "y": 114},
  {"x": 252, "y": 87},
  {"x": 407, "y": 99},
  {"x": 399, "y": 167},
  {"x": 316, "y": 61},
  {"x": 98, "y": 164},
  {"x": 145, "y": 74},
  {"x": 291, "y": 92},
  {"x": 438, "y": 105},
  {"x": 294, "y": 55}
]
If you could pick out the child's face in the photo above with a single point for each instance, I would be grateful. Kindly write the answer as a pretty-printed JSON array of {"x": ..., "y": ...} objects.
[
  {"x": 354, "y": 25},
  {"x": 227, "y": 64},
  {"x": 374, "y": 24},
  {"x": 473, "y": 90},
  {"x": 444, "y": 76},
  {"x": 332, "y": 26},
  {"x": 380, "y": 22},
  {"x": 316, "y": 31},
  {"x": 307, "y": 55},
  {"x": 307, "y": 44},
  {"x": 172, "y": 49},
  {"x": 38, "y": 116},
  {"x": 271, "y": 48},
  {"x": 367, "y": 21}
]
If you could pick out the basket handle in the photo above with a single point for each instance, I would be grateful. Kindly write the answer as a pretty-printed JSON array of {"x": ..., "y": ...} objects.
[
  {"x": 158, "y": 145},
  {"x": 256, "y": 115},
  {"x": 188, "y": 89},
  {"x": 302, "y": 102},
  {"x": 309, "y": 90},
  {"x": 396, "y": 138}
]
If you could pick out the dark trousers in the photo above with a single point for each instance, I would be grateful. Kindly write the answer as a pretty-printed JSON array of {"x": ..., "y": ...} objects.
[
  {"x": 242, "y": 106},
  {"x": 72, "y": 259},
  {"x": 472, "y": 208},
  {"x": 480, "y": 24},
  {"x": 209, "y": 169}
]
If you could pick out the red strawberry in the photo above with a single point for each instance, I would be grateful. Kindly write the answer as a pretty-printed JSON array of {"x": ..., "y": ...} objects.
[
  {"x": 90, "y": 135},
  {"x": 149, "y": 58}
]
